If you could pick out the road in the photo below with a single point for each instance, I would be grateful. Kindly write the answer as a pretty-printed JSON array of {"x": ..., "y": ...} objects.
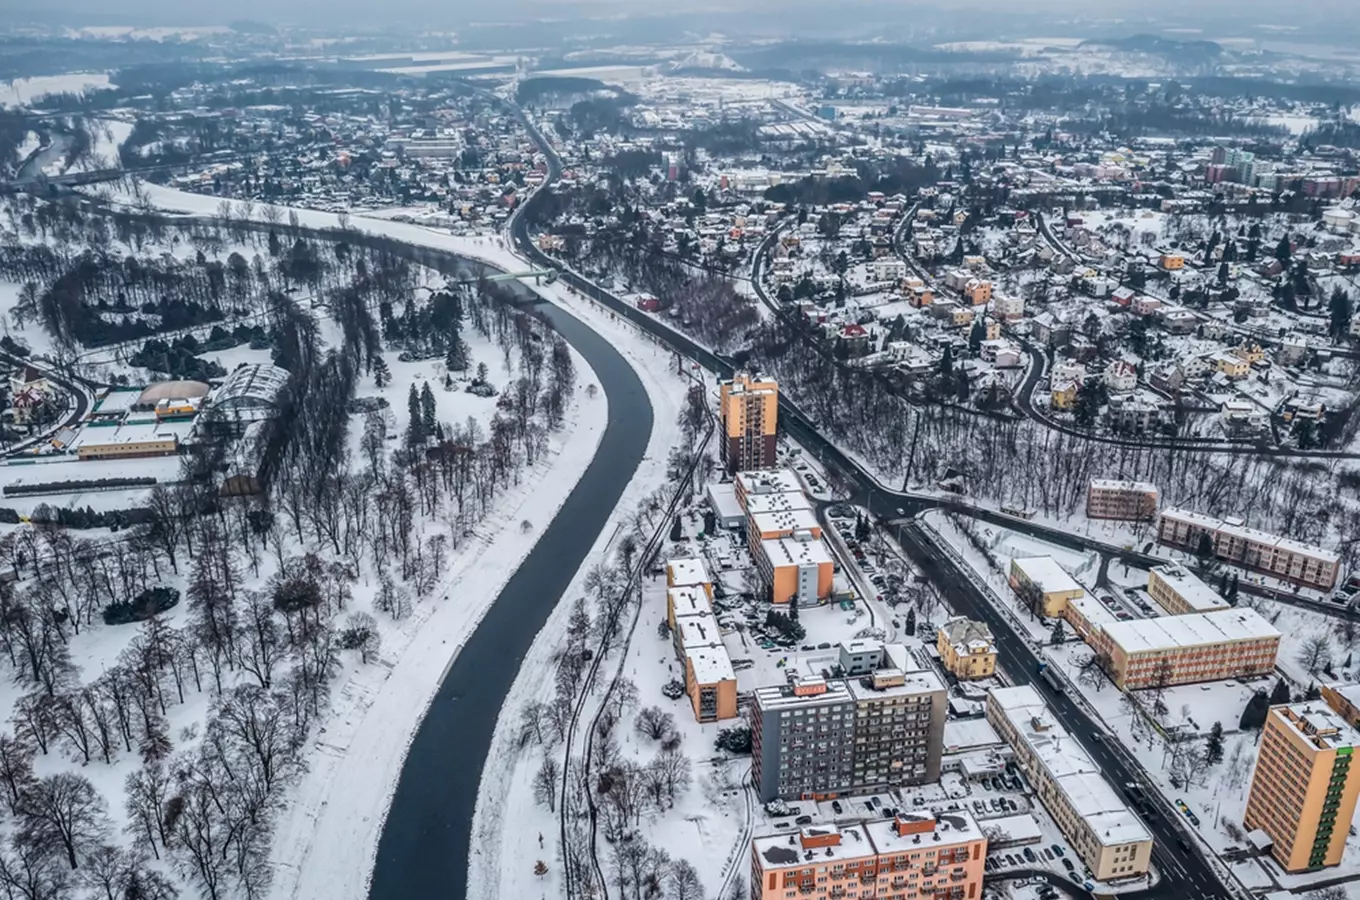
[{"x": 1185, "y": 874}]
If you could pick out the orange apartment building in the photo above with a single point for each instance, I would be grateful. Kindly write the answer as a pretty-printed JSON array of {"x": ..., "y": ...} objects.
[
  {"x": 710, "y": 683},
  {"x": 1232, "y": 643},
  {"x": 748, "y": 409},
  {"x": 919, "y": 855},
  {"x": 798, "y": 568},
  {"x": 1260, "y": 551},
  {"x": 1125, "y": 501},
  {"x": 1305, "y": 787}
]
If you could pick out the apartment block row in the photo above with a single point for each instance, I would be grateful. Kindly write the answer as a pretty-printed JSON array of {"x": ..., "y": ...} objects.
[
  {"x": 710, "y": 681},
  {"x": 916, "y": 855},
  {"x": 1260, "y": 551},
  {"x": 1203, "y": 638},
  {"x": 1112, "y": 841},
  {"x": 881, "y": 726},
  {"x": 784, "y": 536}
]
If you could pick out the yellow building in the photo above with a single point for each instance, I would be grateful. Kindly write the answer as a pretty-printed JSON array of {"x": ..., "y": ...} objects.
[
  {"x": 962, "y": 317},
  {"x": 748, "y": 407},
  {"x": 1250, "y": 351},
  {"x": 1042, "y": 574},
  {"x": 1064, "y": 395},
  {"x": 1344, "y": 699},
  {"x": 1305, "y": 786},
  {"x": 966, "y": 649},
  {"x": 1231, "y": 365},
  {"x": 1173, "y": 261},
  {"x": 993, "y": 329}
]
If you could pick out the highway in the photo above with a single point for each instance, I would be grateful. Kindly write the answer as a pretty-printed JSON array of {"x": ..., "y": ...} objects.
[{"x": 1187, "y": 876}]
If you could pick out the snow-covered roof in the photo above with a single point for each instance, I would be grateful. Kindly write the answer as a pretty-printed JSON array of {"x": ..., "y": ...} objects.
[
  {"x": 1111, "y": 484},
  {"x": 768, "y": 481},
  {"x": 710, "y": 664},
  {"x": 1193, "y": 593},
  {"x": 723, "y": 499},
  {"x": 697, "y": 630},
  {"x": 250, "y": 386},
  {"x": 825, "y": 844},
  {"x": 786, "y": 520},
  {"x": 776, "y": 502},
  {"x": 1069, "y": 767},
  {"x": 688, "y": 601},
  {"x": 792, "y": 551},
  {"x": 1045, "y": 573},
  {"x": 687, "y": 572},
  {"x": 1191, "y": 630}
]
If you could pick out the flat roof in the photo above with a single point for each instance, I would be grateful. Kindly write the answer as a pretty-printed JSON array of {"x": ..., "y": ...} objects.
[
  {"x": 966, "y": 734},
  {"x": 687, "y": 571},
  {"x": 953, "y": 827},
  {"x": 698, "y": 630},
  {"x": 1069, "y": 766},
  {"x": 1111, "y": 484},
  {"x": 1190, "y": 630},
  {"x": 1318, "y": 724},
  {"x": 1045, "y": 572},
  {"x": 130, "y": 433},
  {"x": 723, "y": 498},
  {"x": 1195, "y": 593},
  {"x": 786, "y": 850},
  {"x": 768, "y": 481},
  {"x": 781, "y": 696},
  {"x": 791, "y": 551},
  {"x": 688, "y": 600},
  {"x": 785, "y": 520},
  {"x": 777, "y": 501},
  {"x": 1093, "y": 611},
  {"x": 913, "y": 683},
  {"x": 710, "y": 664}
]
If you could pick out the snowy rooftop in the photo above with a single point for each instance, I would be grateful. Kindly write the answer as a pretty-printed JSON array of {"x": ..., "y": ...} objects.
[
  {"x": 768, "y": 481},
  {"x": 1093, "y": 611},
  {"x": 710, "y": 664},
  {"x": 793, "y": 551},
  {"x": 782, "y": 696},
  {"x": 1069, "y": 766},
  {"x": 131, "y": 432},
  {"x": 1021, "y": 829},
  {"x": 688, "y": 601},
  {"x": 954, "y": 827},
  {"x": 1110, "y": 484},
  {"x": 1046, "y": 574},
  {"x": 966, "y": 636},
  {"x": 781, "y": 501},
  {"x": 1316, "y": 723},
  {"x": 824, "y": 844},
  {"x": 1195, "y": 593},
  {"x": 724, "y": 501},
  {"x": 687, "y": 572},
  {"x": 1194, "y": 629},
  {"x": 698, "y": 630},
  {"x": 964, "y": 734},
  {"x": 785, "y": 520},
  {"x": 913, "y": 683}
]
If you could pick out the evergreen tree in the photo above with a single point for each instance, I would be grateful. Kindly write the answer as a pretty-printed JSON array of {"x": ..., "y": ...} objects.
[
  {"x": 1213, "y": 747},
  {"x": 1279, "y": 693},
  {"x": 1204, "y": 549},
  {"x": 1283, "y": 251},
  {"x": 911, "y": 622},
  {"x": 382, "y": 376},
  {"x": 1232, "y": 591},
  {"x": 1057, "y": 635},
  {"x": 675, "y": 529},
  {"x": 1340, "y": 312},
  {"x": 458, "y": 357},
  {"x": 947, "y": 360},
  {"x": 427, "y": 409},
  {"x": 977, "y": 335},
  {"x": 793, "y": 611},
  {"x": 413, "y": 410},
  {"x": 1254, "y": 716}
]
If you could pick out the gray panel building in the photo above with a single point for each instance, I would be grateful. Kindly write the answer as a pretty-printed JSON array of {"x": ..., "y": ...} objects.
[{"x": 818, "y": 738}]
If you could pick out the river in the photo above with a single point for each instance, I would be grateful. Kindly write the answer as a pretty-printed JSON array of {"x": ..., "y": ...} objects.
[{"x": 423, "y": 851}]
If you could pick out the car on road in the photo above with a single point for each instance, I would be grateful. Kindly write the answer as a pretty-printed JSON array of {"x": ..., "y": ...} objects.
[
  {"x": 1183, "y": 844},
  {"x": 1067, "y": 864}
]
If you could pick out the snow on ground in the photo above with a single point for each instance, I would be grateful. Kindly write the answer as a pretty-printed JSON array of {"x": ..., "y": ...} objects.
[
  {"x": 108, "y": 135},
  {"x": 508, "y": 821},
  {"x": 23, "y": 91}
]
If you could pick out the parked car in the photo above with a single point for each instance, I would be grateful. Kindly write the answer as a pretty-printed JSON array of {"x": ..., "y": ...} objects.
[
  {"x": 1057, "y": 848},
  {"x": 803, "y": 820},
  {"x": 1029, "y": 855}
]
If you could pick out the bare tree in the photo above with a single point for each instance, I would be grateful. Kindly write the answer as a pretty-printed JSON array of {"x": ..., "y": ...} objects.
[
  {"x": 683, "y": 881},
  {"x": 1315, "y": 654},
  {"x": 652, "y": 722},
  {"x": 148, "y": 793},
  {"x": 65, "y": 812},
  {"x": 16, "y": 770},
  {"x": 30, "y": 872},
  {"x": 545, "y": 782}
]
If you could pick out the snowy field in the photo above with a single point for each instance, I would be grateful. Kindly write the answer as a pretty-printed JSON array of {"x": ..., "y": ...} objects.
[{"x": 23, "y": 91}]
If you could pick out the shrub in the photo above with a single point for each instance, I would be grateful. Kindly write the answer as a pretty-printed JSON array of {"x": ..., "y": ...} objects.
[{"x": 148, "y": 603}]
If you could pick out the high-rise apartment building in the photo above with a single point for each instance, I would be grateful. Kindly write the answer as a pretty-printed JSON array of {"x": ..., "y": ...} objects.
[
  {"x": 1305, "y": 787},
  {"x": 919, "y": 855},
  {"x": 748, "y": 407},
  {"x": 814, "y": 738}
]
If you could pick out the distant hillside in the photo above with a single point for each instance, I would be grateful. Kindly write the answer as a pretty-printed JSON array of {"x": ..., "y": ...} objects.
[{"x": 1180, "y": 51}]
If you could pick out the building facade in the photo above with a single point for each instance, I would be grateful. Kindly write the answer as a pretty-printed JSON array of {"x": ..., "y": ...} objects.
[
  {"x": 1304, "y": 790},
  {"x": 966, "y": 649},
  {"x": 1043, "y": 575},
  {"x": 818, "y": 738},
  {"x": 748, "y": 408},
  {"x": 914, "y": 855},
  {"x": 1181, "y": 593},
  {"x": 1169, "y": 650},
  {"x": 1125, "y": 501},
  {"x": 1234, "y": 542},
  {"x": 1109, "y": 838}
]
